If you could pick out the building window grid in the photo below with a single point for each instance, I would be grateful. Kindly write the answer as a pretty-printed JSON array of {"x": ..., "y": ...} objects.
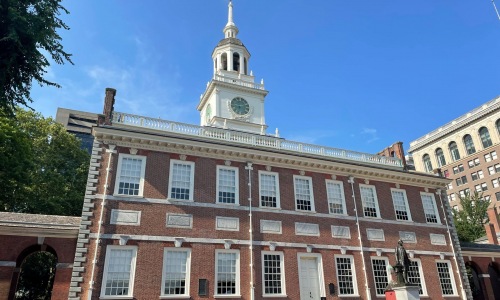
[
  {"x": 131, "y": 173},
  {"x": 458, "y": 169},
  {"x": 430, "y": 210},
  {"x": 494, "y": 183},
  {"x": 118, "y": 271},
  {"x": 227, "y": 273},
  {"x": 440, "y": 157},
  {"x": 455, "y": 154},
  {"x": 427, "y": 162},
  {"x": 369, "y": 201},
  {"x": 272, "y": 273},
  {"x": 380, "y": 275},
  {"x": 477, "y": 175},
  {"x": 414, "y": 276},
  {"x": 474, "y": 163},
  {"x": 469, "y": 144},
  {"x": 445, "y": 279},
  {"x": 269, "y": 190},
  {"x": 484, "y": 134},
  {"x": 304, "y": 199},
  {"x": 345, "y": 275},
  {"x": 227, "y": 185},
  {"x": 490, "y": 156},
  {"x": 336, "y": 198},
  {"x": 181, "y": 180},
  {"x": 401, "y": 205},
  {"x": 461, "y": 180},
  {"x": 175, "y": 272}
]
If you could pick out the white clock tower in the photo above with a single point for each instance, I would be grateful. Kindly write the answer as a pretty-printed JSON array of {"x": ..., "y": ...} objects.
[{"x": 232, "y": 99}]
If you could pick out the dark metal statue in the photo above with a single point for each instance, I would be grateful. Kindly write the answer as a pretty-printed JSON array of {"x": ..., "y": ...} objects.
[{"x": 402, "y": 264}]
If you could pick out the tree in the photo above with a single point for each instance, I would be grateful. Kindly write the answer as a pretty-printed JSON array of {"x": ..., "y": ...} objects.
[
  {"x": 470, "y": 220},
  {"x": 46, "y": 172},
  {"x": 28, "y": 28}
]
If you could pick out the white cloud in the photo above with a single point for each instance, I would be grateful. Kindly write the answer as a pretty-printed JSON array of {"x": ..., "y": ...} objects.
[{"x": 371, "y": 133}]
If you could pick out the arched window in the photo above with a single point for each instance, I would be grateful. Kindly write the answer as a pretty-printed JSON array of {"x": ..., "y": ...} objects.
[
  {"x": 440, "y": 157},
  {"x": 497, "y": 124},
  {"x": 469, "y": 144},
  {"x": 455, "y": 154},
  {"x": 485, "y": 137},
  {"x": 246, "y": 67},
  {"x": 427, "y": 163},
  {"x": 223, "y": 60},
  {"x": 236, "y": 61}
]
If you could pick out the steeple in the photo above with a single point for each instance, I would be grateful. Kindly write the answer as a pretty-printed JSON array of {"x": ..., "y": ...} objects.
[{"x": 230, "y": 30}]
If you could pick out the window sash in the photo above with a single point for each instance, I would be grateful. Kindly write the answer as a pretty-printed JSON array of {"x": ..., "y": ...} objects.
[
  {"x": 181, "y": 180},
  {"x": 345, "y": 275},
  {"x": 303, "y": 194},
  {"x": 175, "y": 272},
  {"x": 227, "y": 273},
  {"x": 400, "y": 205},
  {"x": 272, "y": 273},
  {"x": 445, "y": 278},
  {"x": 335, "y": 195},
  {"x": 269, "y": 190},
  {"x": 369, "y": 201},
  {"x": 118, "y": 271},
  {"x": 380, "y": 275},
  {"x": 130, "y": 175},
  {"x": 430, "y": 211},
  {"x": 414, "y": 276},
  {"x": 227, "y": 185}
]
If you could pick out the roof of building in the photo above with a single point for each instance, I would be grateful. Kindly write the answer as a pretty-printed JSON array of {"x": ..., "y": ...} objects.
[
  {"x": 38, "y": 221},
  {"x": 230, "y": 40},
  {"x": 480, "y": 247}
]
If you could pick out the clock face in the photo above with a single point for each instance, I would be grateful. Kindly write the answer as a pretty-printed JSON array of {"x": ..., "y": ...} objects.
[{"x": 240, "y": 106}]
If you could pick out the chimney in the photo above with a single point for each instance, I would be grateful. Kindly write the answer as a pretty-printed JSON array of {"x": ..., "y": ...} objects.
[
  {"x": 109, "y": 103},
  {"x": 491, "y": 234}
]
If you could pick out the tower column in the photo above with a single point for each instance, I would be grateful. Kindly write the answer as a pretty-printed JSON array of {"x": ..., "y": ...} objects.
[
  {"x": 219, "y": 62},
  {"x": 242, "y": 64},
  {"x": 229, "y": 60}
]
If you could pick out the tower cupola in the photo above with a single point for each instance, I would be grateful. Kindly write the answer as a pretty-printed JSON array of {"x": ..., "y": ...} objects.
[{"x": 230, "y": 30}]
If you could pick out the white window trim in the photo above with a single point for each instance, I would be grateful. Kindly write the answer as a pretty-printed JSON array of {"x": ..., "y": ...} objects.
[
  {"x": 406, "y": 202},
  {"x": 342, "y": 194},
  {"x": 132, "y": 272},
  {"x": 277, "y": 181},
  {"x": 354, "y": 277},
  {"x": 422, "y": 278},
  {"x": 438, "y": 218},
  {"x": 188, "y": 273},
  {"x": 309, "y": 179},
  {"x": 236, "y": 182},
  {"x": 452, "y": 276},
  {"x": 283, "y": 281},
  {"x": 377, "y": 208},
  {"x": 389, "y": 279},
  {"x": 191, "y": 179},
  {"x": 119, "y": 170},
  {"x": 238, "y": 293},
  {"x": 321, "y": 278}
]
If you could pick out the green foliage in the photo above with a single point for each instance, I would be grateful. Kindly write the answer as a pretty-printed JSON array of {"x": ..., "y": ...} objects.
[
  {"x": 470, "y": 220},
  {"x": 37, "y": 277},
  {"x": 46, "y": 172},
  {"x": 28, "y": 29}
]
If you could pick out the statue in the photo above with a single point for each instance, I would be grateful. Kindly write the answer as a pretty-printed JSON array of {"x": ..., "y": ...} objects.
[{"x": 402, "y": 264}]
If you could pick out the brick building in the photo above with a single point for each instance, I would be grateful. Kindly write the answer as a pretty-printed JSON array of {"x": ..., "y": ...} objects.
[{"x": 224, "y": 210}]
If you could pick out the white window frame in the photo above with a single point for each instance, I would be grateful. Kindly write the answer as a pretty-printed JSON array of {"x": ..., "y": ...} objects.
[
  {"x": 309, "y": 180},
  {"x": 171, "y": 177},
  {"x": 277, "y": 184},
  {"x": 405, "y": 198},
  {"x": 377, "y": 209},
  {"x": 237, "y": 279},
  {"x": 130, "y": 294},
  {"x": 452, "y": 278},
  {"x": 282, "y": 274},
  {"x": 386, "y": 271},
  {"x": 421, "y": 274},
  {"x": 436, "y": 211},
  {"x": 187, "y": 279},
  {"x": 121, "y": 156},
  {"x": 236, "y": 182},
  {"x": 330, "y": 197},
  {"x": 354, "y": 277}
]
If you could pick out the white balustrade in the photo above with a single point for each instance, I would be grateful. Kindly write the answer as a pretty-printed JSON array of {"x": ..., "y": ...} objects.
[{"x": 251, "y": 139}]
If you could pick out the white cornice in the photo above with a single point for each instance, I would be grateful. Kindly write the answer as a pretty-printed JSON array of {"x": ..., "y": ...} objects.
[{"x": 70, "y": 232}]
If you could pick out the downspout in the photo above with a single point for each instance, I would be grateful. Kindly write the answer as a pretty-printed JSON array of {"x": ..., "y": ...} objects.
[
  {"x": 110, "y": 151},
  {"x": 250, "y": 230},
  {"x": 367, "y": 288},
  {"x": 464, "y": 294}
]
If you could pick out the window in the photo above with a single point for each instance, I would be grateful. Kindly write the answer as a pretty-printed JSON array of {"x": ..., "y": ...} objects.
[
  {"x": 477, "y": 175},
  {"x": 455, "y": 154},
  {"x": 494, "y": 182},
  {"x": 440, "y": 157},
  {"x": 227, "y": 272},
  {"x": 469, "y": 144},
  {"x": 427, "y": 163},
  {"x": 430, "y": 208},
  {"x": 461, "y": 180},
  {"x": 473, "y": 163},
  {"x": 380, "y": 274},
  {"x": 484, "y": 134},
  {"x": 491, "y": 170},
  {"x": 336, "y": 197},
  {"x": 176, "y": 267},
  {"x": 445, "y": 277},
  {"x": 273, "y": 278},
  {"x": 401, "y": 205},
  {"x": 269, "y": 189},
  {"x": 304, "y": 199},
  {"x": 369, "y": 201},
  {"x": 227, "y": 185},
  {"x": 497, "y": 125},
  {"x": 497, "y": 196},
  {"x": 453, "y": 197},
  {"x": 487, "y": 198},
  {"x": 458, "y": 169},
  {"x": 450, "y": 186},
  {"x": 464, "y": 193},
  {"x": 490, "y": 156},
  {"x": 119, "y": 269},
  {"x": 130, "y": 175},
  {"x": 446, "y": 173},
  {"x": 415, "y": 276},
  {"x": 481, "y": 187},
  {"x": 181, "y": 180},
  {"x": 346, "y": 275}
]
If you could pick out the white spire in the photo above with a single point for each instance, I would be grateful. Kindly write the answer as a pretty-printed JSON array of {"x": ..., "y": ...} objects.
[{"x": 230, "y": 30}]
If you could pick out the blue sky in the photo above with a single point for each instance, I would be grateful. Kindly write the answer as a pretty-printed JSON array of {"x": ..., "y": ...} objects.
[{"x": 357, "y": 75}]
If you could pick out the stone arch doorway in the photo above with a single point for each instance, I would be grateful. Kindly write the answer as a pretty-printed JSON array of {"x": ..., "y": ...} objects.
[
  {"x": 34, "y": 275},
  {"x": 476, "y": 284},
  {"x": 494, "y": 272}
]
